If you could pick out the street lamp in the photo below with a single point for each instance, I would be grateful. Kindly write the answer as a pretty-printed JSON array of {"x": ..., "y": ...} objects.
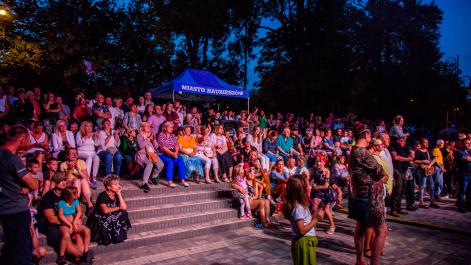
[
  {"x": 3, "y": 12},
  {"x": 456, "y": 63}
]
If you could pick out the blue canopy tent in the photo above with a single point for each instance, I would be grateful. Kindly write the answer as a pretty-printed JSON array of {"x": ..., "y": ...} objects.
[{"x": 199, "y": 85}]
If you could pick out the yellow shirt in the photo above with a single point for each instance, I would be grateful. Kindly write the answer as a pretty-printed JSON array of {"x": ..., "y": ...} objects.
[
  {"x": 385, "y": 165},
  {"x": 187, "y": 143},
  {"x": 74, "y": 173},
  {"x": 438, "y": 155}
]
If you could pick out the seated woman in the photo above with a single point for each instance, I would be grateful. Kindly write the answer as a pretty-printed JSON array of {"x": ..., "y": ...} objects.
[
  {"x": 76, "y": 173},
  {"x": 38, "y": 140},
  {"x": 279, "y": 178},
  {"x": 169, "y": 149},
  {"x": 86, "y": 142},
  {"x": 219, "y": 141},
  {"x": 207, "y": 153},
  {"x": 256, "y": 140},
  {"x": 108, "y": 143},
  {"x": 254, "y": 192},
  {"x": 61, "y": 140},
  {"x": 132, "y": 119},
  {"x": 270, "y": 148},
  {"x": 128, "y": 149},
  {"x": 146, "y": 156},
  {"x": 109, "y": 222},
  {"x": 187, "y": 146}
]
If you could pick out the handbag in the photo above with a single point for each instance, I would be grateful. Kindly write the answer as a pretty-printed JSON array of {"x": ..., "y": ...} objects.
[
  {"x": 112, "y": 150},
  {"x": 428, "y": 171},
  {"x": 151, "y": 154},
  {"x": 359, "y": 209}
]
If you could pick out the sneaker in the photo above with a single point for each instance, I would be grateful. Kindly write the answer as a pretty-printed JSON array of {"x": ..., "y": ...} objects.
[
  {"x": 94, "y": 184},
  {"x": 61, "y": 260},
  {"x": 331, "y": 230},
  {"x": 88, "y": 256},
  {"x": 171, "y": 185},
  {"x": 145, "y": 187},
  {"x": 154, "y": 181},
  {"x": 248, "y": 216},
  {"x": 243, "y": 216}
]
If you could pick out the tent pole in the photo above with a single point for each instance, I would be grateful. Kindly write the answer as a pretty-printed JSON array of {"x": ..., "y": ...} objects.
[
  {"x": 248, "y": 106},
  {"x": 173, "y": 95},
  {"x": 218, "y": 107}
]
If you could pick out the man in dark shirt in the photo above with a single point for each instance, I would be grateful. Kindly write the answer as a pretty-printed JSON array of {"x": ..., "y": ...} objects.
[
  {"x": 58, "y": 237},
  {"x": 15, "y": 183},
  {"x": 100, "y": 111},
  {"x": 402, "y": 157},
  {"x": 463, "y": 157}
]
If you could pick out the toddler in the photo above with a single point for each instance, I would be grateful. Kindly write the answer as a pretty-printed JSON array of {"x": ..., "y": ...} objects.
[{"x": 241, "y": 181}]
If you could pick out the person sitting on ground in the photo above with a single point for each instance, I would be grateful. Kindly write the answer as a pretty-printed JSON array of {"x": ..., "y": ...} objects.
[
  {"x": 109, "y": 222},
  {"x": 256, "y": 203},
  {"x": 60, "y": 237},
  {"x": 296, "y": 208},
  {"x": 168, "y": 147},
  {"x": 70, "y": 215},
  {"x": 187, "y": 148}
]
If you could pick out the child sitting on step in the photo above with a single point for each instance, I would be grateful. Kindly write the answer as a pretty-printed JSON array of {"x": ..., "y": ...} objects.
[
  {"x": 70, "y": 215},
  {"x": 240, "y": 180}
]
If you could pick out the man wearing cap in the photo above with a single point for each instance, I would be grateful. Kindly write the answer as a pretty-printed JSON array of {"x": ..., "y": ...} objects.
[
  {"x": 15, "y": 183},
  {"x": 59, "y": 236}
]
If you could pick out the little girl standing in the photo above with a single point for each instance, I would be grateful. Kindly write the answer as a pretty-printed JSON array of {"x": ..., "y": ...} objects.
[
  {"x": 70, "y": 214},
  {"x": 295, "y": 208},
  {"x": 241, "y": 181}
]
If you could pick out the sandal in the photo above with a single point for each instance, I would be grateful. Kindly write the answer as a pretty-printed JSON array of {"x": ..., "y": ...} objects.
[
  {"x": 331, "y": 230},
  {"x": 367, "y": 253},
  {"x": 208, "y": 181}
]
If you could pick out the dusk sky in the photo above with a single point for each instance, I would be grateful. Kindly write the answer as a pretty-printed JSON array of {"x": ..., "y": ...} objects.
[{"x": 455, "y": 30}]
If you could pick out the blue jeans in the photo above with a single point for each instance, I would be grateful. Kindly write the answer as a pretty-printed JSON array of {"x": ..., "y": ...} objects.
[
  {"x": 463, "y": 188},
  {"x": 423, "y": 180},
  {"x": 170, "y": 163},
  {"x": 271, "y": 157},
  {"x": 109, "y": 160},
  {"x": 438, "y": 181}
]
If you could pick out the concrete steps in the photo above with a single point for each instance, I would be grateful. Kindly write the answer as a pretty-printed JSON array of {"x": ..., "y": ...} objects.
[{"x": 166, "y": 214}]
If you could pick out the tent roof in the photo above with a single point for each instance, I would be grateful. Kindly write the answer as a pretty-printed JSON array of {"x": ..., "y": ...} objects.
[{"x": 199, "y": 83}]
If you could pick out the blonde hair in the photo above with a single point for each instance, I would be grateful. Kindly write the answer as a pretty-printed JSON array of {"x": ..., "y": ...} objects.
[
  {"x": 82, "y": 127},
  {"x": 108, "y": 180}
]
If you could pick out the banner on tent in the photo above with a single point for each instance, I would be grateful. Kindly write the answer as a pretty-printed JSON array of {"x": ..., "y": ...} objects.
[{"x": 210, "y": 91}]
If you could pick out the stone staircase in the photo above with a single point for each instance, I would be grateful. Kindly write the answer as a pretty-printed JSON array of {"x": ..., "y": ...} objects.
[{"x": 166, "y": 214}]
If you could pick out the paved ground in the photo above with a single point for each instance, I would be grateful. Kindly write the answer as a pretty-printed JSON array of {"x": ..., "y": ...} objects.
[{"x": 407, "y": 244}]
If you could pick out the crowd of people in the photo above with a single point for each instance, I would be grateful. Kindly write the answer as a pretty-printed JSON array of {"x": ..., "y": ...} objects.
[{"x": 301, "y": 166}]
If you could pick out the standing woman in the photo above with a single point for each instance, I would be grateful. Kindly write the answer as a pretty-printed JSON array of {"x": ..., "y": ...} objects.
[
  {"x": 169, "y": 149},
  {"x": 108, "y": 143},
  {"x": 187, "y": 146},
  {"x": 36, "y": 107},
  {"x": 425, "y": 172},
  {"x": 367, "y": 186},
  {"x": 147, "y": 157},
  {"x": 225, "y": 159},
  {"x": 61, "y": 140},
  {"x": 86, "y": 142}
]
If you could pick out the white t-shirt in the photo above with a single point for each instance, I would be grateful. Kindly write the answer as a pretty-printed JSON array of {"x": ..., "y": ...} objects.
[{"x": 301, "y": 212}]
